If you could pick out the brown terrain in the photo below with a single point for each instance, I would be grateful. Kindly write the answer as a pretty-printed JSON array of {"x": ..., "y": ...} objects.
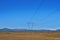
[{"x": 29, "y": 35}]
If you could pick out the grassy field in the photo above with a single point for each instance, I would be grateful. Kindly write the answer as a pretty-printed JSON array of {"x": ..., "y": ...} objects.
[{"x": 29, "y": 35}]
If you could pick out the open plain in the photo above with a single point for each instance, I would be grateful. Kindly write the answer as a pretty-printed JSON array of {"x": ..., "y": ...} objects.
[{"x": 29, "y": 35}]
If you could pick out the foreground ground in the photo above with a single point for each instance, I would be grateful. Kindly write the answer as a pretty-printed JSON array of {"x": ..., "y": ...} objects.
[{"x": 29, "y": 35}]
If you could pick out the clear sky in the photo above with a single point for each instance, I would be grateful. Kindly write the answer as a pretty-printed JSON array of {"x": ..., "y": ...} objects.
[{"x": 17, "y": 13}]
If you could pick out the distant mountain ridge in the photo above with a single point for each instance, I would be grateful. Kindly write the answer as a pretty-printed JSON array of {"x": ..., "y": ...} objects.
[{"x": 25, "y": 30}]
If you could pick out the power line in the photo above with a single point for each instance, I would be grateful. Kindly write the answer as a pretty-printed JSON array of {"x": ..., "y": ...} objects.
[
  {"x": 41, "y": 3},
  {"x": 31, "y": 23},
  {"x": 51, "y": 13}
]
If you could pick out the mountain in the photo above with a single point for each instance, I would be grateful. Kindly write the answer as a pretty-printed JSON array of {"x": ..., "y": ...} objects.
[
  {"x": 58, "y": 30},
  {"x": 25, "y": 30},
  {"x": 6, "y": 30}
]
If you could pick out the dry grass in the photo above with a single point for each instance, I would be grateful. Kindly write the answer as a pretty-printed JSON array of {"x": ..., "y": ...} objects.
[{"x": 29, "y": 35}]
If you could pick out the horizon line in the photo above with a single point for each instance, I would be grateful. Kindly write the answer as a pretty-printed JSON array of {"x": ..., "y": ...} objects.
[{"x": 32, "y": 29}]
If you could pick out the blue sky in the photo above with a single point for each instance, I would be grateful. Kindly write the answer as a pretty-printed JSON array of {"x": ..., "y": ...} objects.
[{"x": 17, "y": 13}]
